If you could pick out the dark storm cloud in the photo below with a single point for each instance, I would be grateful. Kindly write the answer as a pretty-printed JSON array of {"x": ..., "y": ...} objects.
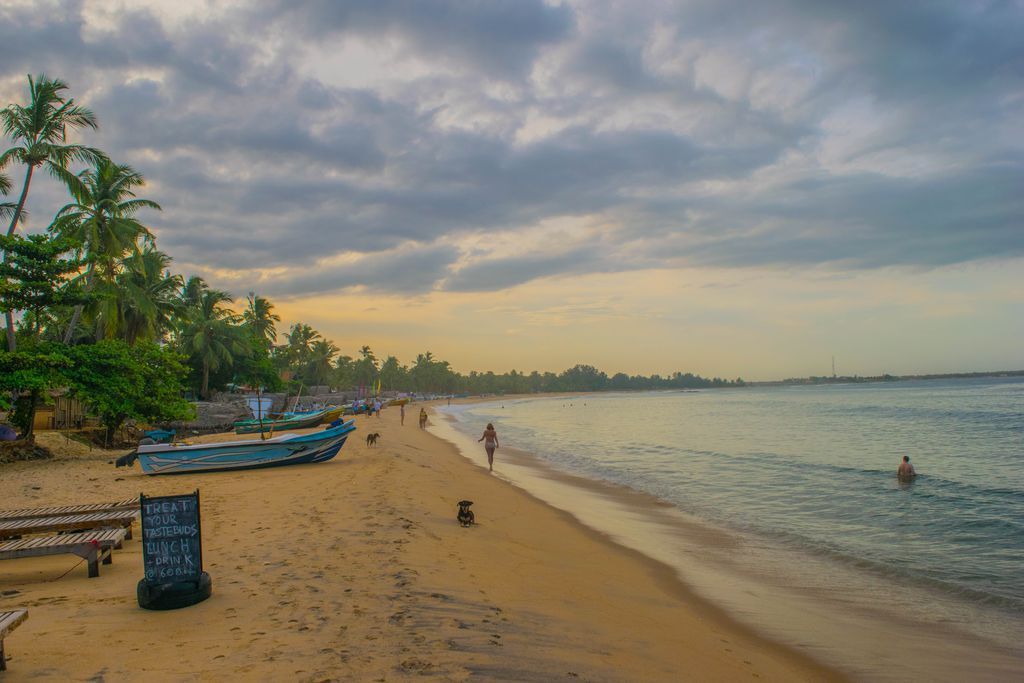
[
  {"x": 876, "y": 222},
  {"x": 727, "y": 133},
  {"x": 501, "y": 37},
  {"x": 415, "y": 269}
]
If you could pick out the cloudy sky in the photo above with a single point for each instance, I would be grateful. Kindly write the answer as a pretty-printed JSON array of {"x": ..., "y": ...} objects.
[{"x": 722, "y": 186}]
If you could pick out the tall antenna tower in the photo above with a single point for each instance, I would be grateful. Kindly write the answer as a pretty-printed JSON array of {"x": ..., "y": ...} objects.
[{"x": 833, "y": 367}]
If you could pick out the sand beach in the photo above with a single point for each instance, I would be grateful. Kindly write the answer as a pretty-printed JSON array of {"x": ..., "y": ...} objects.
[{"x": 357, "y": 570}]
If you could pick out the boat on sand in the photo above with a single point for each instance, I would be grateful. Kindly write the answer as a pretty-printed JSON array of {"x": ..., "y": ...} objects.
[
  {"x": 296, "y": 421},
  {"x": 284, "y": 449}
]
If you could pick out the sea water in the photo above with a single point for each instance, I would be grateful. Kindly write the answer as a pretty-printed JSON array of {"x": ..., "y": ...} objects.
[{"x": 783, "y": 507}]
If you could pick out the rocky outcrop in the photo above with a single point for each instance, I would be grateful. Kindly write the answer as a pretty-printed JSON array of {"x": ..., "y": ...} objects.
[
  {"x": 23, "y": 449},
  {"x": 213, "y": 416}
]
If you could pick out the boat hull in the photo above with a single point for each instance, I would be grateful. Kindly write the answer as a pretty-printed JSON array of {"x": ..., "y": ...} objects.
[
  {"x": 297, "y": 422},
  {"x": 289, "y": 449}
]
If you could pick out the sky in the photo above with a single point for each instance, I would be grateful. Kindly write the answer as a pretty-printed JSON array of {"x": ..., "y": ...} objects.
[{"x": 720, "y": 187}]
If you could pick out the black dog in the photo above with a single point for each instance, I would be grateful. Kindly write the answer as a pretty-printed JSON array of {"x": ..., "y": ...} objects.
[
  {"x": 465, "y": 516},
  {"x": 127, "y": 460},
  {"x": 371, "y": 439}
]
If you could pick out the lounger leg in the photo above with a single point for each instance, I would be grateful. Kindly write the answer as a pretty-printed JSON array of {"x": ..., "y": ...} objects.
[
  {"x": 3, "y": 657},
  {"x": 129, "y": 529},
  {"x": 107, "y": 555},
  {"x": 93, "y": 558}
]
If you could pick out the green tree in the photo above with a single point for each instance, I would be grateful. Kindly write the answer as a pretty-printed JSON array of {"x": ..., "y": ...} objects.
[
  {"x": 319, "y": 364},
  {"x": 429, "y": 375},
  {"x": 261, "y": 320},
  {"x": 365, "y": 370},
  {"x": 212, "y": 334},
  {"x": 34, "y": 278},
  {"x": 392, "y": 373},
  {"x": 39, "y": 132},
  {"x": 192, "y": 292},
  {"x": 120, "y": 382},
  {"x": 300, "y": 342},
  {"x": 583, "y": 378},
  {"x": 28, "y": 375},
  {"x": 6, "y": 208},
  {"x": 256, "y": 369},
  {"x": 147, "y": 299},
  {"x": 101, "y": 222},
  {"x": 344, "y": 372}
]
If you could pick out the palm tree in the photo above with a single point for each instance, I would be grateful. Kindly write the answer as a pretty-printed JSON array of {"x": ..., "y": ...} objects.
[
  {"x": 39, "y": 131},
  {"x": 300, "y": 340},
  {"x": 318, "y": 367},
  {"x": 212, "y": 334},
  {"x": 101, "y": 221},
  {"x": 6, "y": 208},
  {"x": 366, "y": 367},
  {"x": 147, "y": 296},
  {"x": 192, "y": 291},
  {"x": 344, "y": 372},
  {"x": 260, "y": 318},
  {"x": 391, "y": 372}
]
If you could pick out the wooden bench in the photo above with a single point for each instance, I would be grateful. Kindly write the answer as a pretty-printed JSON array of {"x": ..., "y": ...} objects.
[
  {"x": 63, "y": 510},
  {"x": 93, "y": 546},
  {"x": 45, "y": 525},
  {"x": 8, "y": 622}
]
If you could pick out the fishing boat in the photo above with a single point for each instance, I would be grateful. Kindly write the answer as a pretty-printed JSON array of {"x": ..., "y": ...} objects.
[
  {"x": 330, "y": 414},
  {"x": 285, "y": 449},
  {"x": 299, "y": 421}
]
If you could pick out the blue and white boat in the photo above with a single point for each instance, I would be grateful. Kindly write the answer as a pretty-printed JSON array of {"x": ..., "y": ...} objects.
[{"x": 285, "y": 449}]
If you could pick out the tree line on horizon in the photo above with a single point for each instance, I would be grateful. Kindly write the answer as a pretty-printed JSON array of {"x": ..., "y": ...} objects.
[{"x": 92, "y": 306}]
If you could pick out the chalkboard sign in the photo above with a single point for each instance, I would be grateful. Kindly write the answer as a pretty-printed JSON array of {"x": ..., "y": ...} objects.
[{"x": 172, "y": 548}]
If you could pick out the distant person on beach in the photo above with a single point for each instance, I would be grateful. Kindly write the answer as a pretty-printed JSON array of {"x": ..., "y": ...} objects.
[
  {"x": 401, "y": 412},
  {"x": 906, "y": 471},
  {"x": 423, "y": 418},
  {"x": 376, "y": 407},
  {"x": 490, "y": 439}
]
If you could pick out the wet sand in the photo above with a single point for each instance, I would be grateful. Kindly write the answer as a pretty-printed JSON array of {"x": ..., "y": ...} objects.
[
  {"x": 852, "y": 621},
  {"x": 356, "y": 569}
]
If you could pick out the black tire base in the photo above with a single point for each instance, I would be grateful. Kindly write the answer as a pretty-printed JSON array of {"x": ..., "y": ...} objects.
[{"x": 175, "y": 595}]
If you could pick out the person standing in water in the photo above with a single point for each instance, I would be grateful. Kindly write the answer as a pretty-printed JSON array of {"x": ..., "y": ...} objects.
[
  {"x": 490, "y": 439},
  {"x": 906, "y": 471}
]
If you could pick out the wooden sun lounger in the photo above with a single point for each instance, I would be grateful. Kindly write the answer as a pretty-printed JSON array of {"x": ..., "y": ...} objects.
[
  {"x": 27, "y": 513},
  {"x": 8, "y": 622},
  {"x": 93, "y": 546},
  {"x": 44, "y": 525}
]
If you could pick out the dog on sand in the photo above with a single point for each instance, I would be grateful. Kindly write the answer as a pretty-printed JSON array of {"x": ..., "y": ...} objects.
[
  {"x": 127, "y": 460},
  {"x": 465, "y": 516},
  {"x": 371, "y": 439}
]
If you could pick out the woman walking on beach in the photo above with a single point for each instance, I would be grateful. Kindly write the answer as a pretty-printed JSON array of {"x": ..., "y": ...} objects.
[{"x": 490, "y": 439}]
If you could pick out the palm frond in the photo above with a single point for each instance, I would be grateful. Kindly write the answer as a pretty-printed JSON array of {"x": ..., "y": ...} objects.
[
  {"x": 73, "y": 182},
  {"x": 14, "y": 154},
  {"x": 7, "y": 210},
  {"x": 132, "y": 205}
]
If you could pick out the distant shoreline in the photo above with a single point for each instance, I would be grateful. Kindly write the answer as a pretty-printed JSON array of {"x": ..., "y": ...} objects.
[{"x": 856, "y": 379}]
